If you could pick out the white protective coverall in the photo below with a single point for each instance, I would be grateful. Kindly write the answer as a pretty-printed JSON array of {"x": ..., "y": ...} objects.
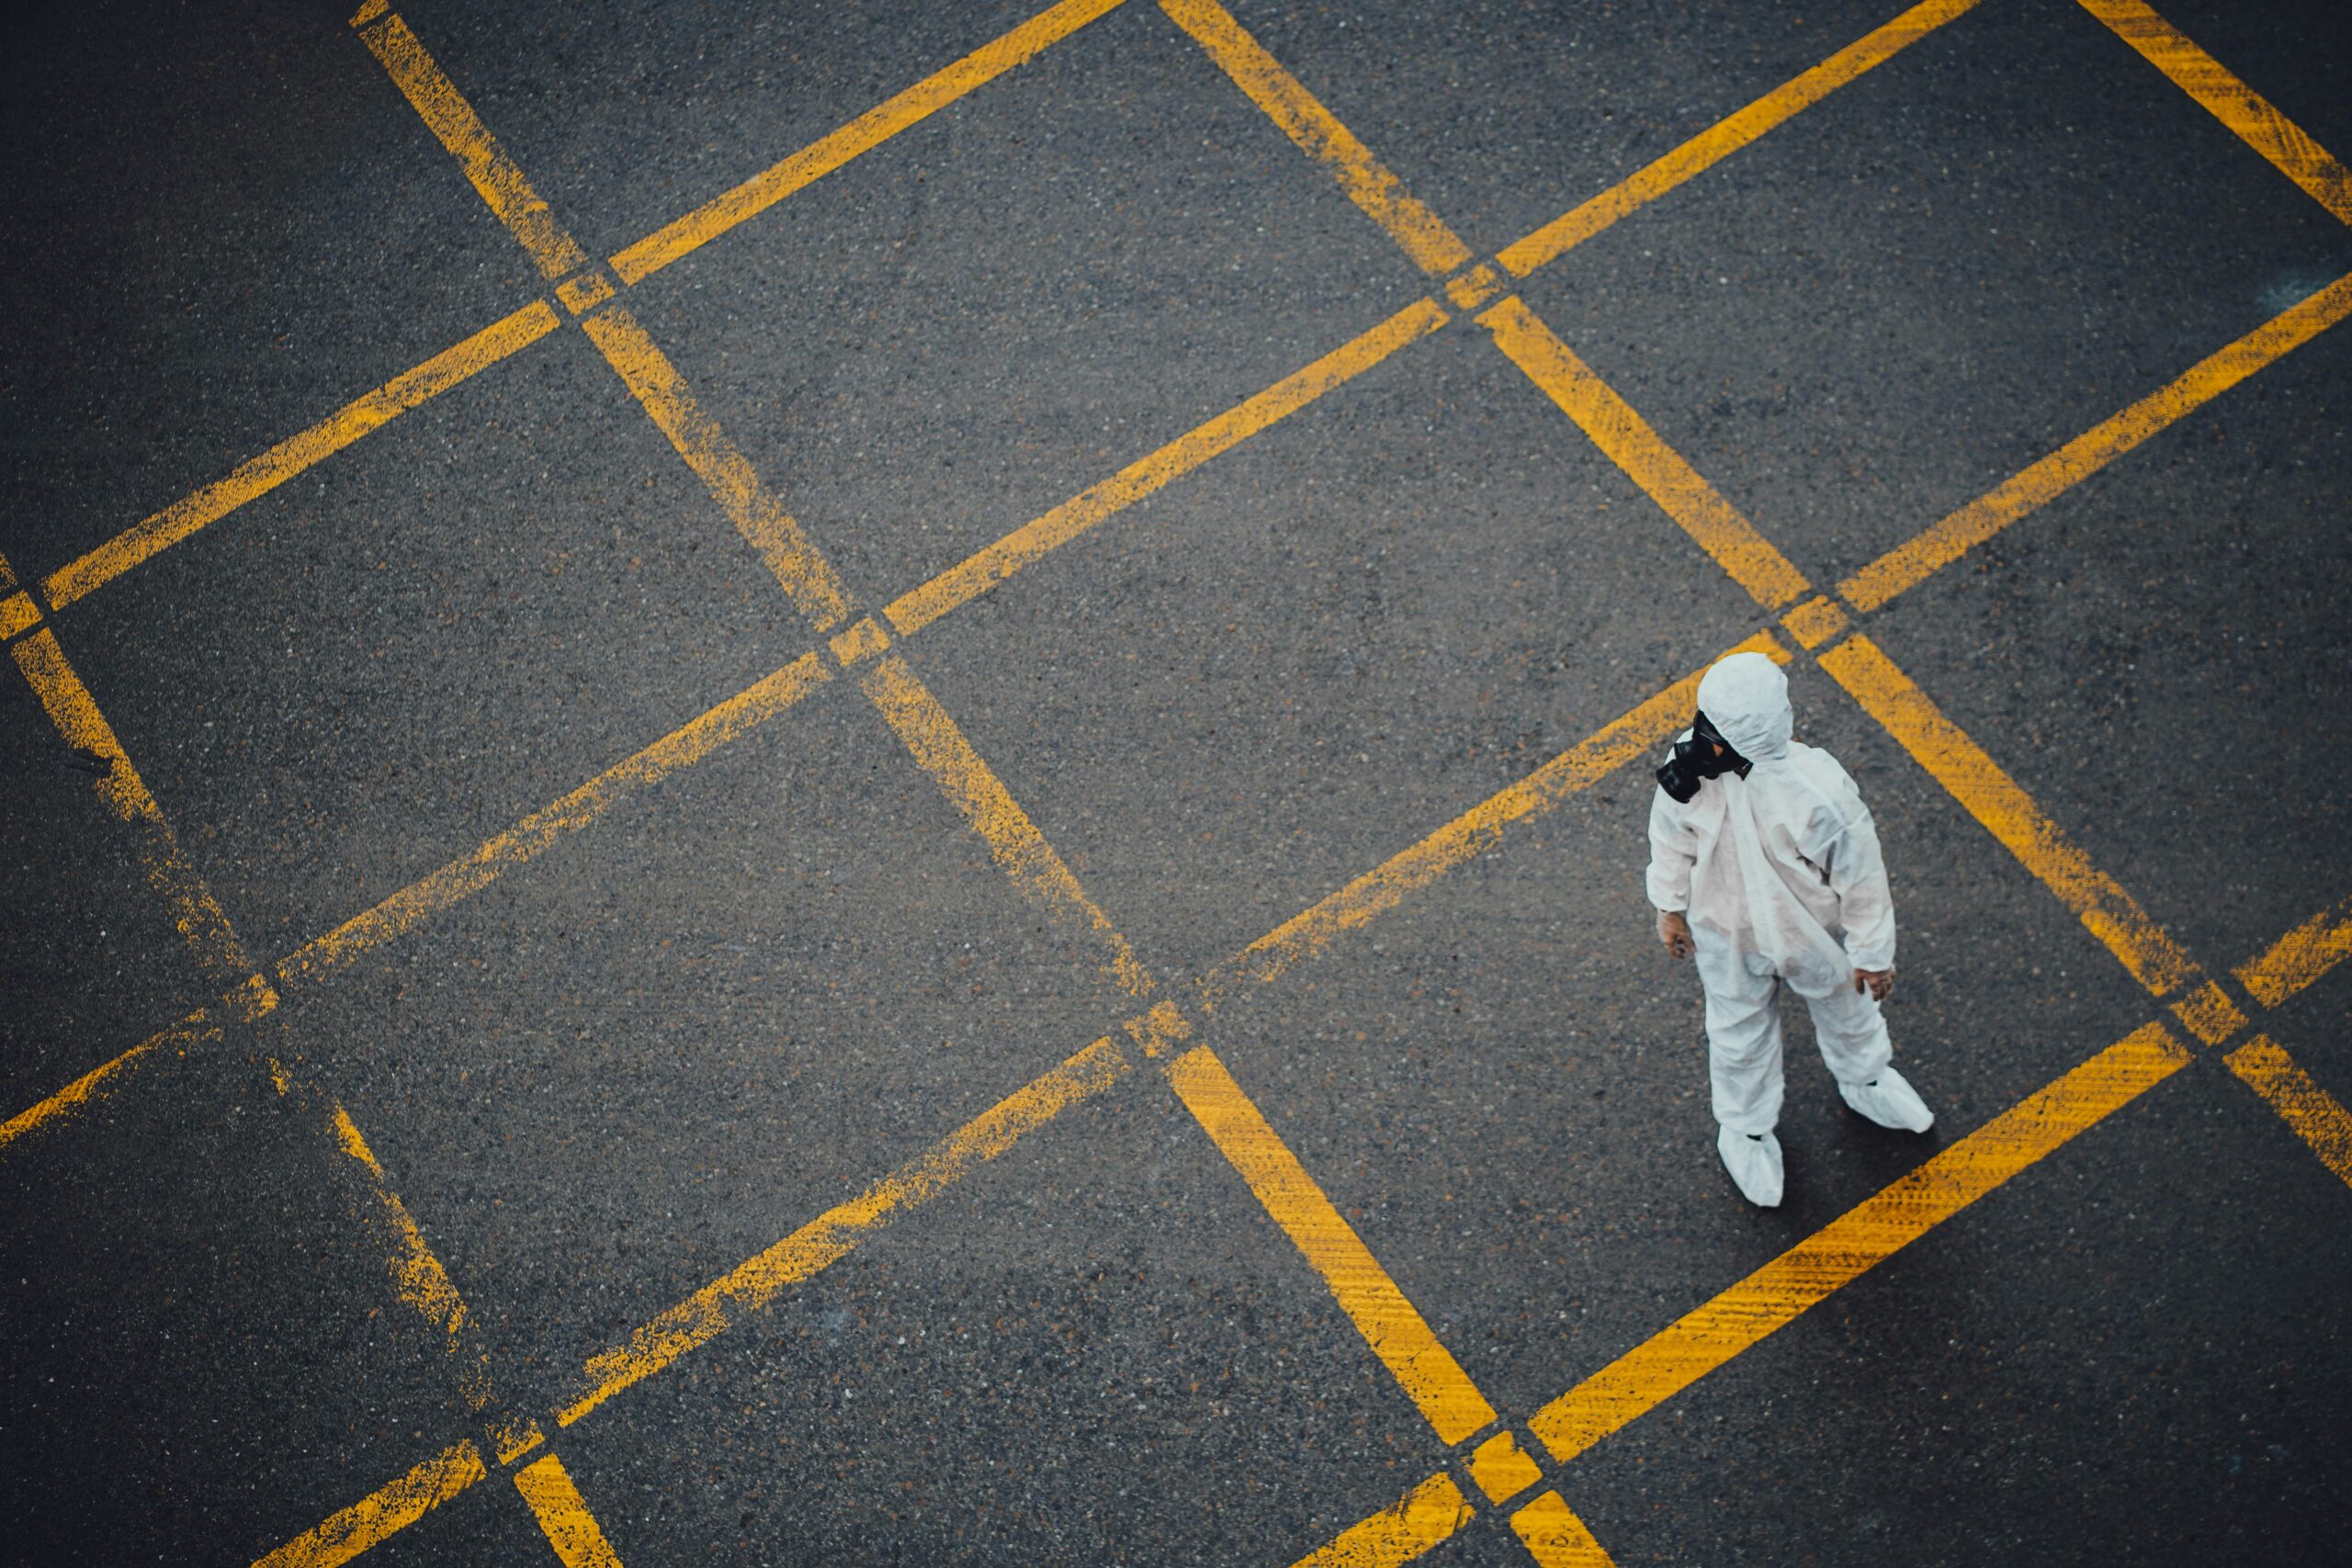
[{"x": 1781, "y": 877}]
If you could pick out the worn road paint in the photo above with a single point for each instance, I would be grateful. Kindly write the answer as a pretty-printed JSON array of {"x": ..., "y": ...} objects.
[
  {"x": 749, "y": 1287},
  {"x": 940, "y": 748},
  {"x": 453, "y": 121},
  {"x": 257, "y": 477},
  {"x": 1417, "y": 1523},
  {"x": 564, "y": 1515},
  {"x": 1397, "y": 1332},
  {"x": 2317, "y": 1116},
  {"x": 967, "y": 581},
  {"x": 198, "y": 1028},
  {"x": 867, "y": 132},
  {"x": 1555, "y": 1537},
  {"x": 383, "y": 1513},
  {"x": 1420, "y": 233},
  {"x": 1753, "y": 562},
  {"x": 1914, "y": 561},
  {"x": 1725, "y": 136},
  {"x": 1476, "y": 831},
  {"x": 2300, "y": 957},
  {"x": 402, "y": 911},
  {"x": 2250, "y": 116},
  {"x": 791, "y": 557},
  {"x": 1866, "y": 1235},
  {"x": 2010, "y": 815}
]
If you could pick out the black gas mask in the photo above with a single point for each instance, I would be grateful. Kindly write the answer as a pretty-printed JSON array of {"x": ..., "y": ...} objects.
[{"x": 1696, "y": 761}]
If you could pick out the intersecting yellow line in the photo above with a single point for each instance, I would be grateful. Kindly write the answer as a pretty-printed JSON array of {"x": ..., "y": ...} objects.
[
  {"x": 369, "y": 411},
  {"x": 1720, "y": 141},
  {"x": 2316, "y": 1116},
  {"x": 1915, "y": 560},
  {"x": 2246, "y": 112},
  {"x": 453, "y": 121},
  {"x": 1398, "y": 1334},
  {"x": 2300, "y": 957},
  {"x": 383, "y": 1513},
  {"x": 878, "y": 125},
  {"x": 1418, "y": 233},
  {"x": 564, "y": 1515}
]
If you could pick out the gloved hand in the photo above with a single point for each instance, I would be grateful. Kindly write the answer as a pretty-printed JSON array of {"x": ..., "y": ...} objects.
[{"x": 1675, "y": 931}]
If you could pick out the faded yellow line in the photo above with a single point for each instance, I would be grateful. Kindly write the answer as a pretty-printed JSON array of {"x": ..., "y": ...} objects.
[
  {"x": 198, "y": 1028},
  {"x": 831, "y": 1236},
  {"x": 968, "y": 581},
  {"x": 1994, "y": 799},
  {"x": 452, "y": 119},
  {"x": 418, "y": 1278},
  {"x": 1911, "y": 563},
  {"x": 1874, "y": 1230},
  {"x": 2247, "y": 113},
  {"x": 723, "y": 469},
  {"x": 1720, "y": 141},
  {"x": 1397, "y": 1333},
  {"x": 383, "y": 1513},
  {"x": 941, "y": 750},
  {"x": 2300, "y": 957},
  {"x": 2318, "y": 1117},
  {"x": 402, "y": 911},
  {"x": 1419, "y": 1522},
  {"x": 17, "y": 614},
  {"x": 878, "y": 125},
  {"x": 1753, "y": 562},
  {"x": 1435, "y": 249},
  {"x": 196, "y": 915},
  {"x": 563, "y": 1516},
  {"x": 1555, "y": 1537},
  {"x": 259, "y": 476},
  {"x": 1475, "y": 832}
]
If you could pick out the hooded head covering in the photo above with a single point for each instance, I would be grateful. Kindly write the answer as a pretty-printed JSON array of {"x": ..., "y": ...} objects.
[
  {"x": 1747, "y": 854},
  {"x": 1746, "y": 697}
]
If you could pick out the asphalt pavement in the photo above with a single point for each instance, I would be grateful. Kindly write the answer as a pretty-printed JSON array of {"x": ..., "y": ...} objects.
[{"x": 866, "y": 785}]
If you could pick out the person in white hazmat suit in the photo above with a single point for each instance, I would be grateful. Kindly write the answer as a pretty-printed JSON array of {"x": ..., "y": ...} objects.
[{"x": 1765, "y": 864}]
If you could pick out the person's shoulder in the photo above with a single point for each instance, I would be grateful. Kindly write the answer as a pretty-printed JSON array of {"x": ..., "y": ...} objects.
[{"x": 1824, "y": 770}]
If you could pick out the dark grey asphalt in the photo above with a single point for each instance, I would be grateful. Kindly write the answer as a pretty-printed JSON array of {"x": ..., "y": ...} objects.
[{"x": 627, "y": 1067}]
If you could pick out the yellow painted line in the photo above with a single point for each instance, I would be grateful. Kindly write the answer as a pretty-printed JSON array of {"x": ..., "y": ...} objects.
[
  {"x": 369, "y": 411},
  {"x": 528, "y": 839},
  {"x": 723, "y": 469},
  {"x": 418, "y": 1278},
  {"x": 2317, "y": 1116},
  {"x": 1435, "y": 249},
  {"x": 452, "y": 119},
  {"x": 940, "y": 747},
  {"x": 17, "y": 614},
  {"x": 383, "y": 1513},
  {"x": 968, "y": 581},
  {"x": 1909, "y": 564},
  {"x": 1417, "y": 1523},
  {"x": 196, "y": 915},
  {"x": 563, "y": 1516},
  {"x": 1555, "y": 1537},
  {"x": 2247, "y": 113},
  {"x": 1501, "y": 1468},
  {"x": 1476, "y": 831},
  {"x": 2300, "y": 957},
  {"x": 1397, "y": 1333},
  {"x": 1754, "y": 562},
  {"x": 1994, "y": 799},
  {"x": 1717, "y": 143},
  {"x": 831, "y": 1236},
  {"x": 868, "y": 131},
  {"x": 198, "y": 1028},
  {"x": 1874, "y": 1230}
]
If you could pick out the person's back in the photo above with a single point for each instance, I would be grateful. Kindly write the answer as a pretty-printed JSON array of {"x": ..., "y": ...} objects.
[{"x": 1765, "y": 866}]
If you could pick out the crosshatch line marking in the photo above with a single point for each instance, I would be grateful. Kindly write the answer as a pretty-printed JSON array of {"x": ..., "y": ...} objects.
[{"x": 293, "y": 455}]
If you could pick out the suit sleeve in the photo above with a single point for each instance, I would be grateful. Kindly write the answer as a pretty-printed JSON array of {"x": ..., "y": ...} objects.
[
  {"x": 1674, "y": 849},
  {"x": 1848, "y": 852}
]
